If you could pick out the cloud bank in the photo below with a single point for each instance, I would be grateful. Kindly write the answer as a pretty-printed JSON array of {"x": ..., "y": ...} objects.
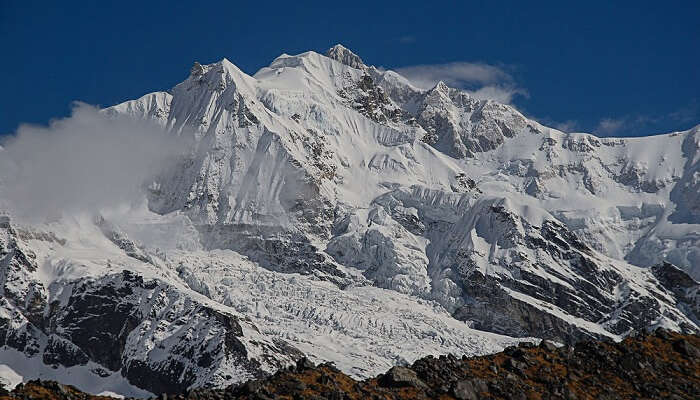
[
  {"x": 483, "y": 81},
  {"x": 82, "y": 163}
]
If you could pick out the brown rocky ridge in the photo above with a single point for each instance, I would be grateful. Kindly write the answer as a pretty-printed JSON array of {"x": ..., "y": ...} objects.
[{"x": 660, "y": 365}]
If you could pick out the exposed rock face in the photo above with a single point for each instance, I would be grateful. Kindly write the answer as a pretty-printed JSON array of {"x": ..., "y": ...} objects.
[
  {"x": 687, "y": 191},
  {"x": 21, "y": 298},
  {"x": 276, "y": 250},
  {"x": 370, "y": 100},
  {"x": 345, "y": 56},
  {"x": 150, "y": 332},
  {"x": 661, "y": 366},
  {"x": 460, "y": 125},
  {"x": 540, "y": 281},
  {"x": 681, "y": 285}
]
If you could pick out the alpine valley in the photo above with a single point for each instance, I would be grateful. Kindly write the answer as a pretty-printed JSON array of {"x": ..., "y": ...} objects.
[{"x": 329, "y": 209}]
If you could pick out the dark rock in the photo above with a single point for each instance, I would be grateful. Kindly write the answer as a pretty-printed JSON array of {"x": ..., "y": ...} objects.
[
  {"x": 684, "y": 347},
  {"x": 548, "y": 345},
  {"x": 167, "y": 378},
  {"x": 513, "y": 351},
  {"x": 662, "y": 334},
  {"x": 252, "y": 387},
  {"x": 62, "y": 352},
  {"x": 644, "y": 367},
  {"x": 469, "y": 389},
  {"x": 402, "y": 376},
  {"x": 518, "y": 395},
  {"x": 304, "y": 364},
  {"x": 629, "y": 362},
  {"x": 516, "y": 366}
]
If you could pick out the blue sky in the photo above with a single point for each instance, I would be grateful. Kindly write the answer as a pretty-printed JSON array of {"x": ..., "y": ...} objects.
[{"x": 622, "y": 69}]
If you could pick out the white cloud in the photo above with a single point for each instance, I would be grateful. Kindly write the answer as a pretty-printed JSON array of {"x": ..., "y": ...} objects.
[
  {"x": 81, "y": 163},
  {"x": 610, "y": 126},
  {"x": 456, "y": 74},
  {"x": 641, "y": 125},
  {"x": 484, "y": 81},
  {"x": 566, "y": 126},
  {"x": 690, "y": 113},
  {"x": 636, "y": 125},
  {"x": 497, "y": 93}
]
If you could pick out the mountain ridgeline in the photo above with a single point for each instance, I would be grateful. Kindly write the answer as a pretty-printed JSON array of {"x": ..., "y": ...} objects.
[{"x": 329, "y": 209}]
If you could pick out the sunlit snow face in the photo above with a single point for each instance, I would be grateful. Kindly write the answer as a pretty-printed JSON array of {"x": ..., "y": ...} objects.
[{"x": 82, "y": 163}]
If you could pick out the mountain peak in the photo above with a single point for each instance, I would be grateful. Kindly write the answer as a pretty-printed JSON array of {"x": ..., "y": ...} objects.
[
  {"x": 441, "y": 87},
  {"x": 445, "y": 213},
  {"x": 197, "y": 69},
  {"x": 344, "y": 55}
]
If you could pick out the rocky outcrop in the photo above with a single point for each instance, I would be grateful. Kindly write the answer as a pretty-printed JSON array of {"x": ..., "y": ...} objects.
[
  {"x": 540, "y": 296},
  {"x": 686, "y": 193},
  {"x": 370, "y": 100},
  {"x": 659, "y": 366},
  {"x": 684, "y": 288},
  {"x": 154, "y": 335},
  {"x": 461, "y": 126},
  {"x": 342, "y": 54},
  {"x": 275, "y": 249},
  {"x": 500, "y": 272}
]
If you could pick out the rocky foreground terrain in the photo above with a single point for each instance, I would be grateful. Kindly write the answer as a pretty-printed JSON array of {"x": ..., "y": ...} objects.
[{"x": 662, "y": 365}]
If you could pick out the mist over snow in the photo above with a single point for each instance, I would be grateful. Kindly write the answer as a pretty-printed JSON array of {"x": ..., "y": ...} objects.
[
  {"x": 82, "y": 163},
  {"x": 483, "y": 81}
]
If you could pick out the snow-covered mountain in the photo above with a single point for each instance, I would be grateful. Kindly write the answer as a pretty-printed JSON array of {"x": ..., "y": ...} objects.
[{"x": 331, "y": 209}]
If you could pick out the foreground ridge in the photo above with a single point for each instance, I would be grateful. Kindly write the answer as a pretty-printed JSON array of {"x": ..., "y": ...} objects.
[{"x": 662, "y": 365}]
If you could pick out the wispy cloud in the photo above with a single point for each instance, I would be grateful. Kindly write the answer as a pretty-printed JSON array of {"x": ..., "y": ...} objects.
[
  {"x": 633, "y": 125},
  {"x": 688, "y": 113},
  {"x": 610, "y": 126},
  {"x": 501, "y": 94},
  {"x": 82, "y": 163},
  {"x": 407, "y": 39},
  {"x": 482, "y": 80},
  {"x": 494, "y": 82},
  {"x": 457, "y": 74},
  {"x": 567, "y": 126}
]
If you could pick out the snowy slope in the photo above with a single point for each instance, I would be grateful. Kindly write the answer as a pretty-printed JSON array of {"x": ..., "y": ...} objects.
[
  {"x": 332, "y": 209},
  {"x": 105, "y": 314}
]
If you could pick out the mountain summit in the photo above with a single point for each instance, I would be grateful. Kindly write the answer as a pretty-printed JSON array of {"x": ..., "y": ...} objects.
[
  {"x": 329, "y": 209},
  {"x": 343, "y": 55}
]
